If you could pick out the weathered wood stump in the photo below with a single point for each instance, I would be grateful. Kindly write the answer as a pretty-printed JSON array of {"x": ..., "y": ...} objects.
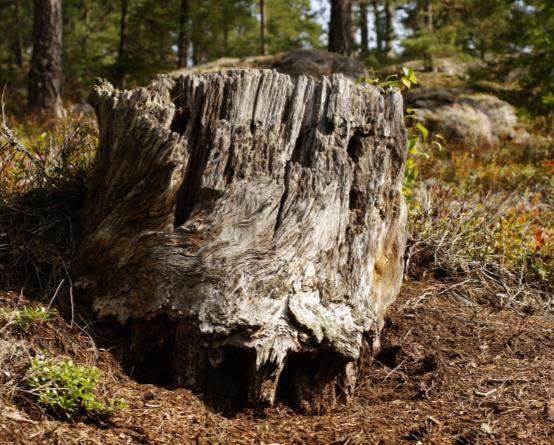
[{"x": 251, "y": 224}]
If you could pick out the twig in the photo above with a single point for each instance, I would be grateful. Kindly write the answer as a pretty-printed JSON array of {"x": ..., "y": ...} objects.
[
  {"x": 16, "y": 418},
  {"x": 71, "y": 299},
  {"x": 484, "y": 394},
  {"x": 55, "y": 294}
]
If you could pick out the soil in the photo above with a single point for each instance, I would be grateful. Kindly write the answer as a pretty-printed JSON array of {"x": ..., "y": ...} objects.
[{"x": 450, "y": 372}]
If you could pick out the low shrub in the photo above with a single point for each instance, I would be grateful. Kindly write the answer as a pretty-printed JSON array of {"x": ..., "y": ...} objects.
[
  {"x": 24, "y": 319},
  {"x": 42, "y": 189},
  {"x": 68, "y": 389},
  {"x": 491, "y": 246}
]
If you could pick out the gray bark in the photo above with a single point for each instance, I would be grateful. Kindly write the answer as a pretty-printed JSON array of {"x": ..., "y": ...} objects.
[
  {"x": 259, "y": 220},
  {"x": 46, "y": 73}
]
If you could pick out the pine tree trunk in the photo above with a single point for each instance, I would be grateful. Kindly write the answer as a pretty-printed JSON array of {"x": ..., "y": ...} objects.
[
  {"x": 46, "y": 74},
  {"x": 249, "y": 227},
  {"x": 263, "y": 27},
  {"x": 424, "y": 16},
  {"x": 122, "y": 47},
  {"x": 85, "y": 18},
  {"x": 183, "y": 45},
  {"x": 389, "y": 28},
  {"x": 430, "y": 18},
  {"x": 364, "y": 28},
  {"x": 18, "y": 44},
  {"x": 378, "y": 28},
  {"x": 341, "y": 32}
]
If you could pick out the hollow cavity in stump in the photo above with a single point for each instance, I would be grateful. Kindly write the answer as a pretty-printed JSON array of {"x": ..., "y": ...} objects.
[{"x": 261, "y": 216}]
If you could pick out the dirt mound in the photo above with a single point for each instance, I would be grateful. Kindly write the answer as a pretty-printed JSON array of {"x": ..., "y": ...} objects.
[
  {"x": 450, "y": 372},
  {"x": 295, "y": 63}
]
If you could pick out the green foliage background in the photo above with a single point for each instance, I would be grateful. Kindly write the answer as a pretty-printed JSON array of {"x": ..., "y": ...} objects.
[{"x": 503, "y": 34}]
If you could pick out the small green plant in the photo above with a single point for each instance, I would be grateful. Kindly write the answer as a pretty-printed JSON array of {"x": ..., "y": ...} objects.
[
  {"x": 418, "y": 134},
  {"x": 68, "y": 389},
  {"x": 405, "y": 80},
  {"x": 24, "y": 319}
]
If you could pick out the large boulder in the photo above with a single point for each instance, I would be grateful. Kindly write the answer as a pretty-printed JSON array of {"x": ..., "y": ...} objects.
[
  {"x": 317, "y": 64},
  {"x": 461, "y": 125},
  {"x": 295, "y": 63},
  {"x": 465, "y": 119},
  {"x": 501, "y": 114}
]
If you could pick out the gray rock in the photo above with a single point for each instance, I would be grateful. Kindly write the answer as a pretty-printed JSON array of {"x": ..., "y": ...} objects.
[
  {"x": 317, "y": 64},
  {"x": 82, "y": 109},
  {"x": 461, "y": 125},
  {"x": 500, "y": 113},
  {"x": 466, "y": 119},
  {"x": 295, "y": 63}
]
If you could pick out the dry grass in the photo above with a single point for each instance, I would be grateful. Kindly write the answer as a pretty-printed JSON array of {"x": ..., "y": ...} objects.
[
  {"x": 42, "y": 189},
  {"x": 475, "y": 246}
]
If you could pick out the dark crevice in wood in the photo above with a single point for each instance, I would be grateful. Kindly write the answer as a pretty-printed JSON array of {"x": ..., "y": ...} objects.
[
  {"x": 226, "y": 386},
  {"x": 355, "y": 144},
  {"x": 284, "y": 197},
  {"x": 187, "y": 194},
  {"x": 179, "y": 122},
  {"x": 303, "y": 147},
  {"x": 310, "y": 382},
  {"x": 298, "y": 152},
  {"x": 356, "y": 199},
  {"x": 228, "y": 171},
  {"x": 327, "y": 127},
  {"x": 147, "y": 357}
]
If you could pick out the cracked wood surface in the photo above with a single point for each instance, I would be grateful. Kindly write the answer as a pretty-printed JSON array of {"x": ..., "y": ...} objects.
[{"x": 261, "y": 215}]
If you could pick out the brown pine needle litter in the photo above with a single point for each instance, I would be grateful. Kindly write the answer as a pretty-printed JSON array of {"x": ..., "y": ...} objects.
[{"x": 451, "y": 372}]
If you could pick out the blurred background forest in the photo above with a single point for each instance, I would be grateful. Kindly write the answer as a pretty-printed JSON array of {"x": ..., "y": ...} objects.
[{"x": 130, "y": 41}]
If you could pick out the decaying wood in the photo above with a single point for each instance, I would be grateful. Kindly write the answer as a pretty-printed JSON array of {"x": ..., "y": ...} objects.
[{"x": 257, "y": 221}]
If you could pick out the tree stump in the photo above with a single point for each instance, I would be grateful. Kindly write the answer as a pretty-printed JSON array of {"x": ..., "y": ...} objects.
[{"x": 250, "y": 225}]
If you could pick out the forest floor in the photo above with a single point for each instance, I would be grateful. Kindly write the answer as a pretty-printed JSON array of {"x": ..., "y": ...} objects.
[{"x": 451, "y": 372}]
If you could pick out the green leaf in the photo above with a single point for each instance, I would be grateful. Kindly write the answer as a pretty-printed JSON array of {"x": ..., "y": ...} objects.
[{"x": 423, "y": 130}]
